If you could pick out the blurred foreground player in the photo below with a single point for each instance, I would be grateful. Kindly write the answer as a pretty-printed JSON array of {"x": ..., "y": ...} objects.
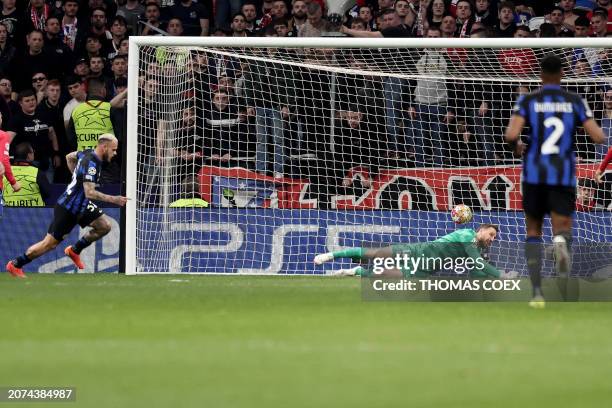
[
  {"x": 5, "y": 165},
  {"x": 75, "y": 206},
  {"x": 549, "y": 165}
]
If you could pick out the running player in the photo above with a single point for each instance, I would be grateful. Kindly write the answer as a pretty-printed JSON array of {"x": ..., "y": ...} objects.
[
  {"x": 5, "y": 165},
  {"x": 75, "y": 207}
]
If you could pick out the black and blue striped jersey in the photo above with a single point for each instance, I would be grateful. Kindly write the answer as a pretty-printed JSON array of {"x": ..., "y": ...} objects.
[
  {"x": 87, "y": 170},
  {"x": 553, "y": 114}
]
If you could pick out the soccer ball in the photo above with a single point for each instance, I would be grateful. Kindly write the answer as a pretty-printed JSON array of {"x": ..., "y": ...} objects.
[{"x": 461, "y": 214}]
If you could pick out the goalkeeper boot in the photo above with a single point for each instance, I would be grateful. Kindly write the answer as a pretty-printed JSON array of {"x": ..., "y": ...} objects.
[
  {"x": 322, "y": 258},
  {"x": 562, "y": 256},
  {"x": 15, "y": 271},
  {"x": 75, "y": 257},
  {"x": 537, "y": 302}
]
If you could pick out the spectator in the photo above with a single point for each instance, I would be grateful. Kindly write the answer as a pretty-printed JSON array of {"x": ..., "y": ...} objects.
[
  {"x": 14, "y": 21},
  {"x": 152, "y": 17},
  {"x": 268, "y": 93},
  {"x": 391, "y": 26},
  {"x": 465, "y": 18},
  {"x": 547, "y": 30},
  {"x": 29, "y": 126},
  {"x": 37, "y": 12},
  {"x": 7, "y": 51},
  {"x": 557, "y": 18},
  {"x": 73, "y": 29},
  {"x": 225, "y": 9},
  {"x": 193, "y": 16},
  {"x": 599, "y": 24},
  {"x": 118, "y": 32},
  {"x": 281, "y": 27},
  {"x": 238, "y": 25},
  {"x": 91, "y": 118},
  {"x": 434, "y": 13},
  {"x": 225, "y": 136},
  {"x": 448, "y": 26},
  {"x": 428, "y": 112},
  {"x": 131, "y": 12},
  {"x": 50, "y": 109},
  {"x": 406, "y": 14},
  {"x": 484, "y": 15},
  {"x": 55, "y": 46},
  {"x": 93, "y": 47},
  {"x": 279, "y": 9},
  {"x": 76, "y": 89},
  {"x": 523, "y": 12},
  {"x": 6, "y": 94},
  {"x": 354, "y": 156},
  {"x": 506, "y": 26},
  {"x": 124, "y": 47},
  {"x": 96, "y": 69},
  {"x": 316, "y": 25},
  {"x": 119, "y": 68},
  {"x": 299, "y": 17},
  {"x": 175, "y": 27},
  {"x": 39, "y": 85},
  {"x": 569, "y": 17},
  {"x": 81, "y": 68},
  {"x": 249, "y": 11},
  {"x": 581, "y": 27},
  {"x": 605, "y": 7},
  {"x": 97, "y": 26},
  {"x": 358, "y": 24},
  {"x": 35, "y": 59},
  {"x": 35, "y": 186},
  {"x": 190, "y": 194}
]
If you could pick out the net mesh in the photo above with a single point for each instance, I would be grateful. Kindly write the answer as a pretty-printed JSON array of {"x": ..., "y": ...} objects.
[{"x": 303, "y": 151}]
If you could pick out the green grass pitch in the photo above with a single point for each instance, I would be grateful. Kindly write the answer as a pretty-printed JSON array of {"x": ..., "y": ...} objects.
[{"x": 219, "y": 341}]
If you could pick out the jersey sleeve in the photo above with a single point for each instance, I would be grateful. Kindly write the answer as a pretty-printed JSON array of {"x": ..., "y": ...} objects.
[
  {"x": 520, "y": 107},
  {"x": 487, "y": 270},
  {"x": 90, "y": 172},
  {"x": 584, "y": 111},
  {"x": 4, "y": 158},
  {"x": 606, "y": 160}
]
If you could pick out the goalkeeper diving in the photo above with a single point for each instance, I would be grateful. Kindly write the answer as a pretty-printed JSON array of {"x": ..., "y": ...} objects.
[{"x": 462, "y": 250}]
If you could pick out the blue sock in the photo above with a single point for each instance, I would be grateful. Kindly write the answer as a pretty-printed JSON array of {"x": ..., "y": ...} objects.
[
  {"x": 21, "y": 260},
  {"x": 80, "y": 245},
  {"x": 533, "y": 253}
]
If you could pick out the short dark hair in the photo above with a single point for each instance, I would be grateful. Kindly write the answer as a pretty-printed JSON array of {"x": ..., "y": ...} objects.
[
  {"x": 486, "y": 225},
  {"x": 73, "y": 79},
  {"x": 561, "y": 9},
  {"x": 523, "y": 28},
  {"x": 26, "y": 93},
  {"x": 120, "y": 19},
  {"x": 506, "y": 4},
  {"x": 190, "y": 187},
  {"x": 22, "y": 150},
  {"x": 582, "y": 22},
  {"x": 551, "y": 65},
  {"x": 95, "y": 86}
]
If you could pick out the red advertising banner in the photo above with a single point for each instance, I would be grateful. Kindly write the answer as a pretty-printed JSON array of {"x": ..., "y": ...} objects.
[{"x": 482, "y": 188}]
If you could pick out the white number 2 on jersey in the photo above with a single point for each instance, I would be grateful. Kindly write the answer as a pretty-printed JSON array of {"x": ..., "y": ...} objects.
[{"x": 550, "y": 144}]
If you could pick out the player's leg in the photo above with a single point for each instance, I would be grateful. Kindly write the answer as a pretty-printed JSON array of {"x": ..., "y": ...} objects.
[
  {"x": 100, "y": 226},
  {"x": 562, "y": 203},
  {"x": 357, "y": 253},
  {"x": 40, "y": 248},
  {"x": 534, "y": 205}
]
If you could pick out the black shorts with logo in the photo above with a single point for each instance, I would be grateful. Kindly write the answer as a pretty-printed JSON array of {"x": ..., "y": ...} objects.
[
  {"x": 541, "y": 199},
  {"x": 64, "y": 221}
]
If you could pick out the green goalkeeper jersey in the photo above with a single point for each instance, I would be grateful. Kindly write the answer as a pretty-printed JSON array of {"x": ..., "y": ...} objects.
[{"x": 457, "y": 250}]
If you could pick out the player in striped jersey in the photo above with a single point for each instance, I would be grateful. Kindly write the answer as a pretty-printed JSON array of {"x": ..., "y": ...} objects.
[
  {"x": 75, "y": 207},
  {"x": 549, "y": 165}
]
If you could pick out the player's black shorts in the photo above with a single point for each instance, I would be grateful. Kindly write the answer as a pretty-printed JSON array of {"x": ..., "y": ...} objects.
[
  {"x": 64, "y": 221},
  {"x": 540, "y": 199}
]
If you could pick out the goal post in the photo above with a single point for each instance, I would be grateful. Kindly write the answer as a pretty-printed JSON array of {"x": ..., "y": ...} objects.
[{"x": 304, "y": 145}]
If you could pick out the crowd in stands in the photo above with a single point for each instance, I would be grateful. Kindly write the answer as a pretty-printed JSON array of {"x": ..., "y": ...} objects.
[{"x": 58, "y": 55}]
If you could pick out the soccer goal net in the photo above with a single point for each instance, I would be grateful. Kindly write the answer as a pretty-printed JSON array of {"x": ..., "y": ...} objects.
[{"x": 303, "y": 146}]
